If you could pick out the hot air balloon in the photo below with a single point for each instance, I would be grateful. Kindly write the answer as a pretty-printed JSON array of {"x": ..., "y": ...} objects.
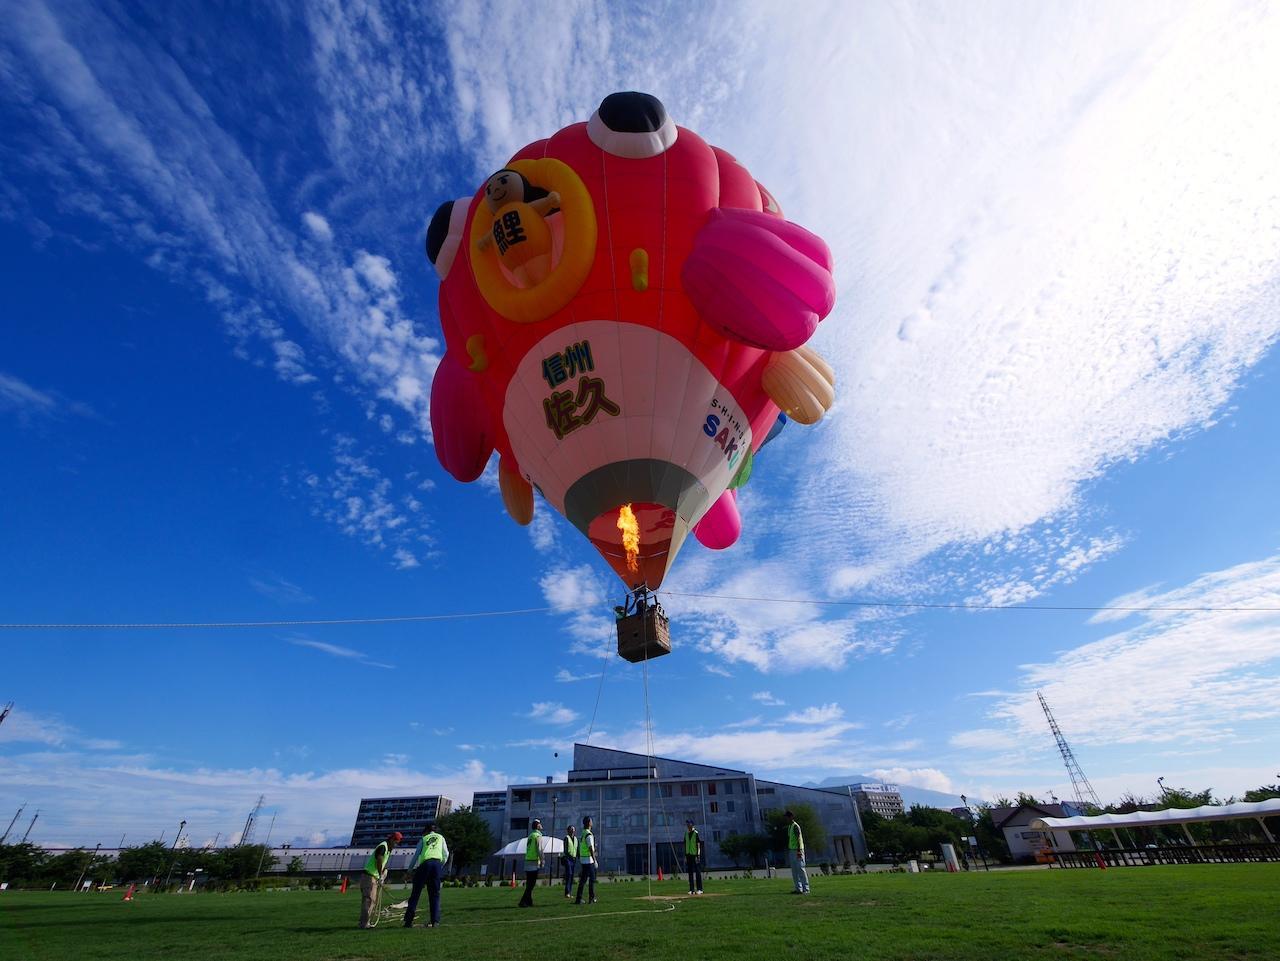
[{"x": 625, "y": 312}]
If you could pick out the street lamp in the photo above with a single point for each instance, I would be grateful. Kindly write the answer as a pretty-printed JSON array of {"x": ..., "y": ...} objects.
[
  {"x": 973, "y": 824},
  {"x": 1163, "y": 789}
]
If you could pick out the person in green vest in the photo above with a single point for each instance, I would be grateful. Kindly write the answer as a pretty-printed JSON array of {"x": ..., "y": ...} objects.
[
  {"x": 795, "y": 854},
  {"x": 428, "y": 863},
  {"x": 532, "y": 862},
  {"x": 375, "y": 872},
  {"x": 586, "y": 862},
  {"x": 693, "y": 856},
  {"x": 570, "y": 859}
]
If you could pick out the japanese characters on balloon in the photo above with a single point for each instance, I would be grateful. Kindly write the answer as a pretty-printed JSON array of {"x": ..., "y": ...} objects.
[{"x": 625, "y": 312}]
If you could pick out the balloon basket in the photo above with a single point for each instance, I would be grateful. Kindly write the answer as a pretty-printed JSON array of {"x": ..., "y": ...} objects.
[{"x": 644, "y": 635}]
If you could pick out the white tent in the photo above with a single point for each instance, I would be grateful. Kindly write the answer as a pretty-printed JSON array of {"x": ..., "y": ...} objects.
[
  {"x": 517, "y": 848},
  {"x": 1241, "y": 810}
]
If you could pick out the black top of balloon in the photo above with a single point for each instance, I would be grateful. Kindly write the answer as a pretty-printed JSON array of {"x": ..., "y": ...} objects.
[{"x": 632, "y": 112}]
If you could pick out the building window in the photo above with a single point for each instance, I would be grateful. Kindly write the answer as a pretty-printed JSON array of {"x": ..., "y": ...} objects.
[
  {"x": 728, "y": 787},
  {"x": 666, "y": 790},
  {"x": 688, "y": 790},
  {"x": 519, "y": 824},
  {"x": 539, "y": 797},
  {"x": 715, "y": 835},
  {"x": 714, "y": 806},
  {"x": 764, "y": 790},
  {"x": 728, "y": 806},
  {"x": 711, "y": 789},
  {"x": 520, "y": 797},
  {"x": 637, "y": 820},
  {"x": 637, "y": 790},
  {"x": 611, "y": 821},
  {"x": 587, "y": 794},
  {"x": 612, "y": 793}
]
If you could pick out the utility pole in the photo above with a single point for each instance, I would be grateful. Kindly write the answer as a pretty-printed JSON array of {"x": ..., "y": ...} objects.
[
  {"x": 246, "y": 835},
  {"x": 30, "y": 826},
  {"x": 173, "y": 852},
  {"x": 4, "y": 837},
  {"x": 973, "y": 826},
  {"x": 88, "y": 864},
  {"x": 266, "y": 845}
]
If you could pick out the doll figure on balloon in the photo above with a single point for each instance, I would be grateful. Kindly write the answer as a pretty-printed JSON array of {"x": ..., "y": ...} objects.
[{"x": 520, "y": 233}]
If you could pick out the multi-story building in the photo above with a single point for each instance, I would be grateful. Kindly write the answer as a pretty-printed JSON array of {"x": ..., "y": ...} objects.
[
  {"x": 491, "y": 806},
  {"x": 625, "y": 793},
  {"x": 378, "y": 817},
  {"x": 882, "y": 799}
]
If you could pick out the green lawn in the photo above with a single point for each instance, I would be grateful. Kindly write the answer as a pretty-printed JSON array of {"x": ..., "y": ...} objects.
[{"x": 1201, "y": 912}]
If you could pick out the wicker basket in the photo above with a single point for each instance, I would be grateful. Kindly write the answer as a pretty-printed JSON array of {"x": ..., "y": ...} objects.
[{"x": 644, "y": 636}]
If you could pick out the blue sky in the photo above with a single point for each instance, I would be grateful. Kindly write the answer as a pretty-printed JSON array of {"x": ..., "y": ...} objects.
[{"x": 1055, "y": 243}]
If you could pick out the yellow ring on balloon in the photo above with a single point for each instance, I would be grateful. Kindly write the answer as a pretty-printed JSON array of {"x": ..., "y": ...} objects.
[{"x": 525, "y": 305}]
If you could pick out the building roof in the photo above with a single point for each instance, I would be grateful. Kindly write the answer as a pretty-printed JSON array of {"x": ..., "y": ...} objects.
[
  {"x": 1003, "y": 815},
  {"x": 591, "y": 758},
  {"x": 1207, "y": 812}
]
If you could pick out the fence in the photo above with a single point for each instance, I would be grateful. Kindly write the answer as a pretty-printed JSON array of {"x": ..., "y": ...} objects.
[{"x": 1175, "y": 854}]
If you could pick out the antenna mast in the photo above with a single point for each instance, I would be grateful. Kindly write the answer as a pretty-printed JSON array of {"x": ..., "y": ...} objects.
[
  {"x": 5, "y": 711},
  {"x": 1081, "y": 788},
  {"x": 246, "y": 836}
]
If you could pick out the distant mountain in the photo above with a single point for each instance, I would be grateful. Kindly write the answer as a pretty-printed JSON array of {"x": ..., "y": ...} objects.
[{"x": 910, "y": 795}]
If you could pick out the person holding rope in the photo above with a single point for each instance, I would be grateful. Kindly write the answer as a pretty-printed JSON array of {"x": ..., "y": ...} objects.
[
  {"x": 375, "y": 872},
  {"x": 795, "y": 853},
  {"x": 428, "y": 870},
  {"x": 532, "y": 863},
  {"x": 587, "y": 862},
  {"x": 693, "y": 852},
  {"x": 570, "y": 859}
]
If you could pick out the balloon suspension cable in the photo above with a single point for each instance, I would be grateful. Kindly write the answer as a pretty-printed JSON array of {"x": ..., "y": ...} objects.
[
  {"x": 608, "y": 656},
  {"x": 648, "y": 769}
]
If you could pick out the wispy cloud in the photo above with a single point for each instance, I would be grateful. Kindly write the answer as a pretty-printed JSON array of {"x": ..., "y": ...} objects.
[
  {"x": 816, "y": 715},
  {"x": 766, "y": 698},
  {"x": 276, "y": 588},
  {"x": 29, "y": 403},
  {"x": 337, "y": 650},
  {"x": 577, "y": 598},
  {"x": 551, "y": 712}
]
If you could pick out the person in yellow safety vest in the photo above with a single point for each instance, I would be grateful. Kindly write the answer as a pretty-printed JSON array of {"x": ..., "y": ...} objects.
[
  {"x": 532, "y": 862},
  {"x": 586, "y": 862},
  {"x": 570, "y": 859},
  {"x": 375, "y": 872},
  {"x": 428, "y": 862},
  {"x": 795, "y": 854},
  {"x": 693, "y": 856}
]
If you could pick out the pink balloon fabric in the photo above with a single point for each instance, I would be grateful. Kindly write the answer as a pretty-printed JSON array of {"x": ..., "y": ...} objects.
[
  {"x": 721, "y": 526},
  {"x": 758, "y": 279},
  {"x": 460, "y": 425}
]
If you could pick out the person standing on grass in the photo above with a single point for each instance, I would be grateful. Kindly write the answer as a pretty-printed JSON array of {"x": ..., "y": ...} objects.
[
  {"x": 532, "y": 863},
  {"x": 587, "y": 862},
  {"x": 693, "y": 856},
  {"x": 375, "y": 872},
  {"x": 795, "y": 854},
  {"x": 428, "y": 862},
  {"x": 570, "y": 859}
]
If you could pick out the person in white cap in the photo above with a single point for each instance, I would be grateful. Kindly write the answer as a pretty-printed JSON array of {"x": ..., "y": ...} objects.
[{"x": 532, "y": 862}]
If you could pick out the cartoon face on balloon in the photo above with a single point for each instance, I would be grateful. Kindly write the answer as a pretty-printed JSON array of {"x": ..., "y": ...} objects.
[{"x": 625, "y": 312}]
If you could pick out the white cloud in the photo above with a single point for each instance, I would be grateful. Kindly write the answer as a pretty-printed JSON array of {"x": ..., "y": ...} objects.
[
  {"x": 337, "y": 650},
  {"x": 318, "y": 226},
  {"x": 816, "y": 715},
  {"x": 28, "y": 403},
  {"x": 551, "y": 712},
  {"x": 405, "y": 559},
  {"x": 1177, "y": 676},
  {"x": 24, "y": 727},
  {"x": 577, "y": 597},
  {"x": 925, "y": 777},
  {"x": 564, "y": 676},
  {"x": 766, "y": 698},
  {"x": 276, "y": 588}
]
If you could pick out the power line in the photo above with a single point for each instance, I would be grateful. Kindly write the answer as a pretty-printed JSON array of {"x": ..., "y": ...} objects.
[
  {"x": 317, "y": 622},
  {"x": 964, "y": 606}
]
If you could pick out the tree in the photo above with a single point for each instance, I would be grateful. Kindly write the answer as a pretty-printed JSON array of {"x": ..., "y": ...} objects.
[
  {"x": 142, "y": 862},
  {"x": 296, "y": 865},
  {"x": 815, "y": 836},
  {"x": 990, "y": 838},
  {"x": 20, "y": 863},
  {"x": 469, "y": 837}
]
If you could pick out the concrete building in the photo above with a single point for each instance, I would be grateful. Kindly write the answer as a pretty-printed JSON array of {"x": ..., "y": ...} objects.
[
  {"x": 614, "y": 788},
  {"x": 882, "y": 799},
  {"x": 378, "y": 817}
]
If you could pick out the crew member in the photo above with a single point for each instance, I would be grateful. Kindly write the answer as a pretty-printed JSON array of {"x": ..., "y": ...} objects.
[
  {"x": 428, "y": 863},
  {"x": 587, "y": 862},
  {"x": 532, "y": 862},
  {"x": 693, "y": 856},
  {"x": 570, "y": 859},
  {"x": 795, "y": 854},
  {"x": 375, "y": 872}
]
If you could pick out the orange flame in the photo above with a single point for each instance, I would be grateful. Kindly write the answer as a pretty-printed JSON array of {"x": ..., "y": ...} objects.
[{"x": 630, "y": 528}]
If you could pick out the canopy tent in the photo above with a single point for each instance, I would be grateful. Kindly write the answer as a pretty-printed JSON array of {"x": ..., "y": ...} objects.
[
  {"x": 1241, "y": 810},
  {"x": 517, "y": 848}
]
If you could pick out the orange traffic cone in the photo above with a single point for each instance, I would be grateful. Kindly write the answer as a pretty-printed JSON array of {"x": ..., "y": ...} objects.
[
  {"x": 343, "y": 889},
  {"x": 513, "y": 876},
  {"x": 128, "y": 895},
  {"x": 659, "y": 872}
]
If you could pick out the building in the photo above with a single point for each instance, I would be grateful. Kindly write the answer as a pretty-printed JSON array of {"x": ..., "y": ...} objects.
[
  {"x": 882, "y": 799},
  {"x": 378, "y": 817},
  {"x": 1024, "y": 842},
  {"x": 491, "y": 806},
  {"x": 624, "y": 793}
]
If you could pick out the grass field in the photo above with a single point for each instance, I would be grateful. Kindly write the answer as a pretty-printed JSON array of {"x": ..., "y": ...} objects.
[{"x": 1192, "y": 912}]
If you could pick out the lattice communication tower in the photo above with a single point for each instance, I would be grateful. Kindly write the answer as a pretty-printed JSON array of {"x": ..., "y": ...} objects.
[
  {"x": 246, "y": 836},
  {"x": 1080, "y": 785}
]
